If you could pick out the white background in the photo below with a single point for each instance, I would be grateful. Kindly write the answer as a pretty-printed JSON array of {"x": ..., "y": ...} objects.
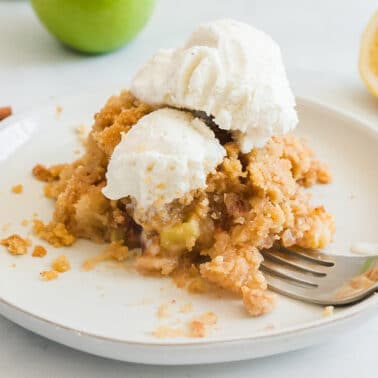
[{"x": 319, "y": 40}]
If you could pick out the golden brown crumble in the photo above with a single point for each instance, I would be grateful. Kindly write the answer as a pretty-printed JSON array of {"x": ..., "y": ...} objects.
[
  {"x": 49, "y": 275},
  {"x": 164, "y": 310},
  {"x": 82, "y": 133},
  {"x": 58, "y": 109},
  {"x": 39, "y": 251},
  {"x": 211, "y": 237},
  {"x": 24, "y": 222},
  {"x": 186, "y": 308},
  {"x": 17, "y": 189},
  {"x": 55, "y": 233},
  {"x": 15, "y": 244},
  {"x": 114, "y": 251},
  {"x": 199, "y": 327},
  {"x": 61, "y": 264}
]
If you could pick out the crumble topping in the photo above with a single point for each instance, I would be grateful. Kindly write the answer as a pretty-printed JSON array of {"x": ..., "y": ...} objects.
[
  {"x": 200, "y": 326},
  {"x": 52, "y": 173},
  {"x": 61, "y": 264},
  {"x": 17, "y": 189},
  {"x": 54, "y": 233},
  {"x": 15, "y": 244},
  {"x": 39, "y": 251},
  {"x": 114, "y": 251},
  {"x": 49, "y": 275}
]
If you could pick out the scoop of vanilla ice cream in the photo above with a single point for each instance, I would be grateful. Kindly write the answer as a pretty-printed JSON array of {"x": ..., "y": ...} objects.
[
  {"x": 229, "y": 70},
  {"x": 165, "y": 155}
]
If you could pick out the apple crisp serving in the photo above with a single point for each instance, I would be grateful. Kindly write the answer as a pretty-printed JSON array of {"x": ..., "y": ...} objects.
[{"x": 210, "y": 237}]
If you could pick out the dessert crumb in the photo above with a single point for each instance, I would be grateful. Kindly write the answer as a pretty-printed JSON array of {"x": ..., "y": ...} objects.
[
  {"x": 59, "y": 109},
  {"x": 13, "y": 265},
  {"x": 269, "y": 327},
  {"x": 55, "y": 234},
  {"x": 39, "y": 251},
  {"x": 15, "y": 244},
  {"x": 49, "y": 275},
  {"x": 114, "y": 251},
  {"x": 24, "y": 222},
  {"x": 42, "y": 173},
  {"x": 5, "y": 111},
  {"x": 17, "y": 189},
  {"x": 164, "y": 311},
  {"x": 61, "y": 264},
  {"x": 328, "y": 311},
  {"x": 81, "y": 132},
  {"x": 5, "y": 227},
  {"x": 200, "y": 326},
  {"x": 164, "y": 332},
  {"x": 186, "y": 308}
]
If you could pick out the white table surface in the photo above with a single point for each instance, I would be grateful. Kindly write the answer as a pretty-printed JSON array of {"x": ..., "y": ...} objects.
[{"x": 319, "y": 40}]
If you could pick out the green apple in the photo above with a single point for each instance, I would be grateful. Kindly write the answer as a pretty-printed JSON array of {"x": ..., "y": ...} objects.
[{"x": 94, "y": 26}]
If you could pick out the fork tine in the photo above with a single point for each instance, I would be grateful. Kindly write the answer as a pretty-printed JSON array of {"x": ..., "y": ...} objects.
[
  {"x": 287, "y": 274},
  {"x": 312, "y": 256},
  {"x": 285, "y": 288},
  {"x": 295, "y": 263}
]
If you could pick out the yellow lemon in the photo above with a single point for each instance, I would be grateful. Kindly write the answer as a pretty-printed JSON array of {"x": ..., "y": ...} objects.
[{"x": 368, "y": 64}]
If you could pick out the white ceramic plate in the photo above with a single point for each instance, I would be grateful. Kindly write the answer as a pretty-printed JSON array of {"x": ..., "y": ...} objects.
[{"x": 111, "y": 311}]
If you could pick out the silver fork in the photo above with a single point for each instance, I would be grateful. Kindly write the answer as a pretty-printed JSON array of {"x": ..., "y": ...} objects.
[{"x": 318, "y": 278}]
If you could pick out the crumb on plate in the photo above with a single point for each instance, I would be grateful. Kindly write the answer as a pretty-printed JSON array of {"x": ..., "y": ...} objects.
[
  {"x": 186, "y": 308},
  {"x": 59, "y": 109},
  {"x": 5, "y": 227},
  {"x": 55, "y": 234},
  {"x": 61, "y": 264},
  {"x": 114, "y": 251},
  {"x": 52, "y": 173},
  {"x": 49, "y": 275},
  {"x": 164, "y": 310},
  {"x": 24, "y": 222},
  {"x": 39, "y": 251},
  {"x": 199, "y": 326},
  {"x": 17, "y": 189},
  {"x": 82, "y": 132},
  {"x": 163, "y": 332},
  {"x": 15, "y": 244}
]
